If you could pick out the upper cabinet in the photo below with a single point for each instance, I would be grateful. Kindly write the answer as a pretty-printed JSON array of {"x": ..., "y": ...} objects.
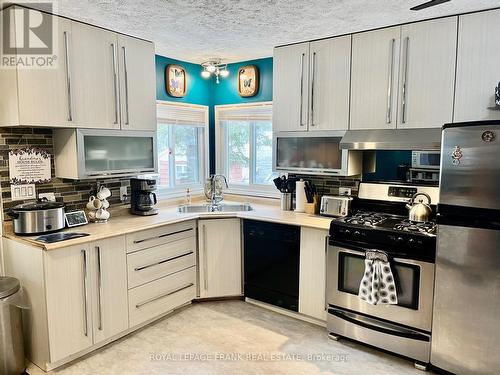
[
  {"x": 427, "y": 73},
  {"x": 100, "y": 79},
  {"x": 137, "y": 83},
  {"x": 478, "y": 71},
  {"x": 290, "y": 87},
  {"x": 403, "y": 77},
  {"x": 374, "y": 82},
  {"x": 310, "y": 85}
]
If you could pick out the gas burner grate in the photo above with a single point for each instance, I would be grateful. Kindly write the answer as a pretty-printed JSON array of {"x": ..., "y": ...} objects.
[
  {"x": 412, "y": 226},
  {"x": 369, "y": 219}
]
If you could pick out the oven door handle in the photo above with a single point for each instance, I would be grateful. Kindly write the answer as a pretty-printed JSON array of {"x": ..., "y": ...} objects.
[
  {"x": 378, "y": 325},
  {"x": 342, "y": 249}
]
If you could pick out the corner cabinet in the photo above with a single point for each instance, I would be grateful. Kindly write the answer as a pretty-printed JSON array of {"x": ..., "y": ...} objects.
[
  {"x": 101, "y": 79},
  {"x": 311, "y": 86},
  {"x": 403, "y": 77},
  {"x": 478, "y": 70},
  {"x": 220, "y": 258}
]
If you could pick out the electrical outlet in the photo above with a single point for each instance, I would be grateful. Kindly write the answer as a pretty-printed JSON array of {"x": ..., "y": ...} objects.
[
  {"x": 51, "y": 197},
  {"x": 344, "y": 191},
  {"x": 22, "y": 192},
  {"x": 123, "y": 193}
]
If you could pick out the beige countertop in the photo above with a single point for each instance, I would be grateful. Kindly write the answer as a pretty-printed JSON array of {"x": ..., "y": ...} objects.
[{"x": 123, "y": 222}]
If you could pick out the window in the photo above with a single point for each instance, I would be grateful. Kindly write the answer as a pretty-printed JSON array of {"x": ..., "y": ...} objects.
[
  {"x": 244, "y": 146},
  {"x": 182, "y": 149}
]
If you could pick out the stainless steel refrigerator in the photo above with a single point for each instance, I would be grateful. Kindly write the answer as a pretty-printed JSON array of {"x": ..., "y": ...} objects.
[{"x": 466, "y": 316}]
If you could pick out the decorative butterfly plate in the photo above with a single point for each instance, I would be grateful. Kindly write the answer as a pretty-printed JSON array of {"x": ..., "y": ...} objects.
[
  {"x": 248, "y": 80},
  {"x": 175, "y": 77}
]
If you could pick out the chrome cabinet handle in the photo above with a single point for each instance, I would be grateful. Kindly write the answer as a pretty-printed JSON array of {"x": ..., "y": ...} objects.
[
  {"x": 68, "y": 75},
  {"x": 140, "y": 304},
  {"x": 301, "y": 87},
  {"x": 161, "y": 236},
  {"x": 205, "y": 258},
  {"x": 327, "y": 238},
  {"x": 125, "y": 72},
  {"x": 405, "y": 76},
  {"x": 85, "y": 292},
  {"x": 312, "y": 87},
  {"x": 162, "y": 261},
  {"x": 115, "y": 81},
  {"x": 389, "y": 81},
  {"x": 99, "y": 288}
]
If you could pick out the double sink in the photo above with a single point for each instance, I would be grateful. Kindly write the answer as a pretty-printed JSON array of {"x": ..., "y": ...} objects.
[{"x": 222, "y": 207}]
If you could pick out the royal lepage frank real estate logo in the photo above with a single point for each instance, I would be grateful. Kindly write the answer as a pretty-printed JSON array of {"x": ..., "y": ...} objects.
[{"x": 29, "y": 37}]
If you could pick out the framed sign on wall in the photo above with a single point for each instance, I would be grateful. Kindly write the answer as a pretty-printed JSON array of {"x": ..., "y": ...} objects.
[
  {"x": 29, "y": 165},
  {"x": 175, "y": 77},
  {"x": 248, "y": 80}
]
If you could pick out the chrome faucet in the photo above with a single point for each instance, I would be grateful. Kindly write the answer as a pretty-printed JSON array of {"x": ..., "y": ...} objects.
[{"x": 214, "y": 198}]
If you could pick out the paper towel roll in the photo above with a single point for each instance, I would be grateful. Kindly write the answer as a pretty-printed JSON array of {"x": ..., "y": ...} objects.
[{"x": 300, "y": 196}]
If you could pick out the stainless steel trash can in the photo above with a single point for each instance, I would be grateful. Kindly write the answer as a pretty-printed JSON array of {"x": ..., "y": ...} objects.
[{"x": 11, "y": 328}]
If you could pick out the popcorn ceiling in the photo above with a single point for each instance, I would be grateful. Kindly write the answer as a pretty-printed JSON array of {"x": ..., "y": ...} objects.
[{"x": 237, "y": 30}]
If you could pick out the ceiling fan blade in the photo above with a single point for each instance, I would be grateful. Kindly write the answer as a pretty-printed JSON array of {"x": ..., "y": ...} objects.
[{"x": 429, "y": 4}]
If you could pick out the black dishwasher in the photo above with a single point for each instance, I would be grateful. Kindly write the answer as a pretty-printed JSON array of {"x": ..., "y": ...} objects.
[{"x": 271, "y": 263}]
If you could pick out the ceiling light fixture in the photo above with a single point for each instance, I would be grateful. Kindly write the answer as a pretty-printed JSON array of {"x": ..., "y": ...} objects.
[
  {"x": 429, "y": 4},
  {"x": 214, "y": 67}
]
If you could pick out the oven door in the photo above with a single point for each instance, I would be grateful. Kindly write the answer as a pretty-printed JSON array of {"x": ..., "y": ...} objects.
[{"x": 414, "y": 284}]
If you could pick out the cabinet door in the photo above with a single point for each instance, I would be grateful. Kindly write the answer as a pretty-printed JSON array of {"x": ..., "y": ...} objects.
[
  {"x": 427, "y": 73},
  {"x": 290, "y": 88},
  {"x": 137, "y": 83},
  {"x": 477, "y": 66},
  {"x": 44, "y": 96},
  {"x": 68, "y": 282},
  {"x": 330, "y": 61},
  {"x": 109, "y": 288},
  {"x": 95, "y": 71},
  {"x": 312, "y": 276},
  {"x": 374, "y": 79},
  {"x": 220, "y": 258}
]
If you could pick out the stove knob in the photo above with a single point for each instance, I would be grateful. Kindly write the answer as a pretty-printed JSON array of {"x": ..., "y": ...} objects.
[
  {"x": 347, "y": 231},
  {"x": 400, "y": 240},
  {"x": 357, "y": 233}
]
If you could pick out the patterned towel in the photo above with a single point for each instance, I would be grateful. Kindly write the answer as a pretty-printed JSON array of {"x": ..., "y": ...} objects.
[{"x": 377, "y": 286}]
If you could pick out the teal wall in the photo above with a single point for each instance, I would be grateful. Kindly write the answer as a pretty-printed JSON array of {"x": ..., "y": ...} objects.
[
  {"x": 207, "y": 92},
  {"x": 226, "y": 92}
]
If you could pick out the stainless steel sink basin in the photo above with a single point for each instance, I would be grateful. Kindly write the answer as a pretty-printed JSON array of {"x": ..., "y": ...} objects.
[{"x": 222, "y": 207}]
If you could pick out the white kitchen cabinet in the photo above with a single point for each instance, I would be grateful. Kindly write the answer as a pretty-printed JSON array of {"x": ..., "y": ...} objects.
[
  {"x": 95, "y": 68},
  {"x": 478, "y": 70},
  {"x": 86, "y": 288},
  {"x": 35, "y": 96},
  {"x": 109, "y": 288},
  {"x": 312, "y": 275},
  {"x": 69, "y": 305},
  {"x": 374, "y": 79},
  {"x": 330, "y": 61},
  {"x": 220, "y": 258},
  {"x": 137, "y": 83},
  {"x": 427, "y": 73},
  {"x": 291, "y": 88}
]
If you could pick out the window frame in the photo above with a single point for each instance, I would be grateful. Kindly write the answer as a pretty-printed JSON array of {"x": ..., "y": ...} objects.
[
  {"x": 179, "y": 190},
  {"x": 221, "y": 145}
]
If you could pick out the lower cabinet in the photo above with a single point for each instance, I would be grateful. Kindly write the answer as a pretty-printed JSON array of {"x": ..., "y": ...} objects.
[
  {"x": 312, "y": 275},
  {"x": 220, "y": 257},
  {"x": 86, "y": 292}
]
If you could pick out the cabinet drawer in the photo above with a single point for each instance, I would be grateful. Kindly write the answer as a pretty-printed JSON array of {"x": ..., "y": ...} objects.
[
  {"x": 159, "y": 261},
  {"x": 160, "y": 296},
  {"x": 161, "y": 235}
]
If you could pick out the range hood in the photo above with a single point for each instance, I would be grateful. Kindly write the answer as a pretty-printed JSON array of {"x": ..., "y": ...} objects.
[{"x": 392, "y": 139}]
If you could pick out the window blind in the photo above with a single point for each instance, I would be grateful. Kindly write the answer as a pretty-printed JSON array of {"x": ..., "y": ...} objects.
[
  {"x": 182, "y": 114},
  {"x": 245, "y": 112}
]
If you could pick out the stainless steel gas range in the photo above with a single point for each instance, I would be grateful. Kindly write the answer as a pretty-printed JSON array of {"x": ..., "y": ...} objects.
[{"x": 379, "y": 222}]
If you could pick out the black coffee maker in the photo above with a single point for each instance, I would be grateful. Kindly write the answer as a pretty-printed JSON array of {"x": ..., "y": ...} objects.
[{"x": 143, "y": 196}]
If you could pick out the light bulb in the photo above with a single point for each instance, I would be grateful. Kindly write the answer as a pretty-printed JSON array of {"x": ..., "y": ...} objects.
[
  {"x": 210, "y": 68},
  {"x": 205, "y": 74},
  {"x": 224, "y": 73}
]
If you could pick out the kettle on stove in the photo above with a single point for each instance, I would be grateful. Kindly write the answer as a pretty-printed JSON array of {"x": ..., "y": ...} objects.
[{"x": 419, "y": 212}]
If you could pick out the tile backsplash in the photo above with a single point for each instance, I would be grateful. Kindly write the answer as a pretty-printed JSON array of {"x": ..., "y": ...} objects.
[
  {"x": 74, "y": 193},
  {"x": 329, "y": 185}
]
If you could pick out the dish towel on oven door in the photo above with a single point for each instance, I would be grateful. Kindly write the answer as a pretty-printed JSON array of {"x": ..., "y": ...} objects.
[{"x": 377, "y": 285}]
